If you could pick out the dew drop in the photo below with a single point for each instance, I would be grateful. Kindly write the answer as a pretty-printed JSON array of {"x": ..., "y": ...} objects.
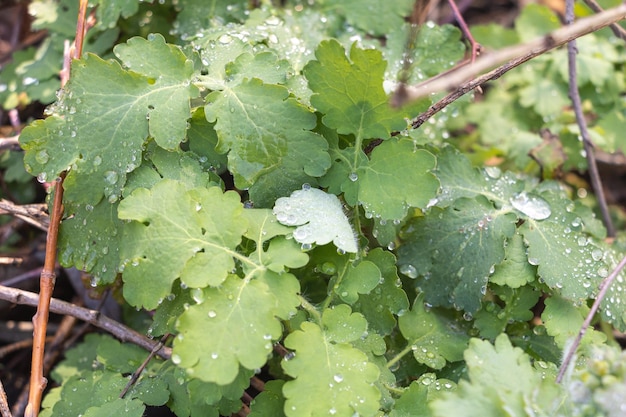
[
  {"x": 176, "y": 360},
  {"x": 353, "y": 176},
  {"x": 111, "y": 177},
  {"x": 338, "y": 378},
  {"x": 214, "y": 355},
  {"x": 41, "y": 177},
  {"x": 97, "y": 160},
  {"x": 533, "y": 206},
  {"x": 408, "y": 270},
  {"x": 212, "y": 314},
  {"x": 597, "y": 254},
  {"x": 42, "y": 157}
]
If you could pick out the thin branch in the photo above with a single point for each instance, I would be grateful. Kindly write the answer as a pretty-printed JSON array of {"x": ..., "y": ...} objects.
[
  {"x": 10, "y": 143},
  {"x": 139, "y": 370},
  {"x": 34, "y": 214},
  {"x": 618, "y": 31},
  {"x": 516, "y": 55},
  {"x": 574, "y": 94},
  {"x": 604, "y": 286},
  {"x": 123, "y": 333}
]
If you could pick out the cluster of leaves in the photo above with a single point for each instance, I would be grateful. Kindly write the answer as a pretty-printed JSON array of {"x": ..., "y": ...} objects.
[{"x": 209, "y": 175}]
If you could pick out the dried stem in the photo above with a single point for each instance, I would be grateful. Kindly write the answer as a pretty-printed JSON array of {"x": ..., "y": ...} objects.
[
  {"x": 457, "y": 79},
  {"x": 619, "y": 31},
  {"x": 93, "y": 317},
  {"x": 596, "y": 182},
  {"x": 604, "y": 286}
]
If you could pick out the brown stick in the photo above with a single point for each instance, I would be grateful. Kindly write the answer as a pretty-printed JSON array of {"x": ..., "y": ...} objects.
[
  {"x": 515, "y": 54},
  {"x": 40, "y": 321},
  {"x": 46, "y": 283}
]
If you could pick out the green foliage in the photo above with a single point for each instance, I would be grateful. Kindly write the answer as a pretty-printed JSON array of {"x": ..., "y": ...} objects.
[{"x": 210, "y": 167}]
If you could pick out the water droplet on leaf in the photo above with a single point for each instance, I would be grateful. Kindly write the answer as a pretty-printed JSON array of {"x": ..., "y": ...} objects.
[{"x": 533, "y": 206}]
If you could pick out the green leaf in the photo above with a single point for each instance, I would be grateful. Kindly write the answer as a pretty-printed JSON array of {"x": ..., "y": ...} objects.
[
  {"x": 270, "y": 402},
  {"x": 534, "y": 21},
  {"x": 341, "y": 325},
  {"x": 119, "y": 406},
  {"x": 454, "y": 251},
  {"x": 567, "y": 259},
  {"x": 91, "y": 389},
  {"x": 224, "y": 313},
  {"x": 415, "y": 399},
  {"x": 245, "y": 121},
  {"x": 380, "y": 192},
  {"x": 433, "y": 338},
  {"x": 613, "y": 305},
  {"x": 514, "y": 271},
  {"x": 359, "y": 279},
  {"x": 319, "y": 217},
  {"x": 196, "y": 15},
  {"x": 151, "y": 100},
  {"x": 436, "y": 49},
  {"x": 342, "y": 383},
  {"x": 373, "y": 16},
  {"x": 563, "y": 321},
  {"x": 349, "y": 92},
  {"x": 176, "y": 232},
  {"x": 387, "y": 299},
  {"x": 90, "y": 240},
  {"x": 492, "y": 391}
]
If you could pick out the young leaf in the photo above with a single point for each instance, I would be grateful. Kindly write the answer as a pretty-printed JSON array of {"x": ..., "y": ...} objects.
[
  {"x": 349, "y": 92},
  {"x": 431, "y": 336},
  {"x": 177, "y": 233},
  {"x": 319, "y": 217},
  {"x": 358, "y": 279},
  {"x": 342, "y": 383},
  {"x": 240, "y": 317},
  {"x": 382, "y": 195}
]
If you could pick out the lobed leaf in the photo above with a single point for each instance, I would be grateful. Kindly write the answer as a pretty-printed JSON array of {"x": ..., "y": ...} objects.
[
  {"x": 239, "y": 318},
  {"x": 106, "y": 114},
  {"x": 434, "y": 339},
  {"x": 191, "y": 234},
  {"x": 342, "y": 383},
  {"x": 349, "y": 92},
  {"x": 380, "y": 192},
  {"x": 454, "y": 251}
]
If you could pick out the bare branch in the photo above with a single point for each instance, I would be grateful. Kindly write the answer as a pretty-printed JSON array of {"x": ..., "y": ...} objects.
[
  {"x": 457, "y": 79},
  {"x": 93, "y": 317},
  {"x": 604, "y": 286}
]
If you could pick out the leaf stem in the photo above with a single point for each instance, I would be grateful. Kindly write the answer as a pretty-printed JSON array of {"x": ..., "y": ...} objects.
[
  {"x": 399, "y": 356},
  {"x": 311, "y": 309}
]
